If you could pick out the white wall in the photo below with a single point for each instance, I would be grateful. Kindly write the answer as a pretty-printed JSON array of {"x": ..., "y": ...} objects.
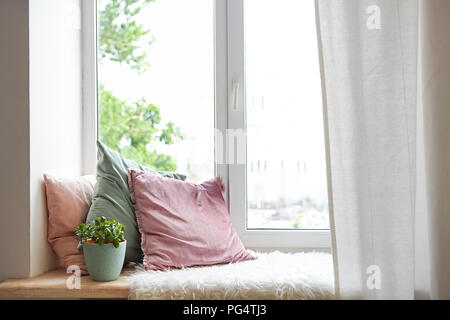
[
  {"x": 55, "y": 109},
  {"x": 14, "y": 140},
  {"x": 40, "y": 123}
]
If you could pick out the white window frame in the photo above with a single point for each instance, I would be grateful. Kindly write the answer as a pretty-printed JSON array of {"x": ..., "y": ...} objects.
[
  {"x": 228, "y": 67},
  {"x": 237, "y": 172}
]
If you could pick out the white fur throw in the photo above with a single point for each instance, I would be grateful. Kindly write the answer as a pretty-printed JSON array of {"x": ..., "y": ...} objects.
[{"x": 273, "y": 275}]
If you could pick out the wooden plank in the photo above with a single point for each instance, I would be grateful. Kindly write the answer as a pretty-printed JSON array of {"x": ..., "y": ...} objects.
[{"x": 52, "y": 285}]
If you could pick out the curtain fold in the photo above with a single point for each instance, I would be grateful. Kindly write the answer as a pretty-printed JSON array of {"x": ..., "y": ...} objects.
[
  {"x": 369, "y": 70},
  {"x": 435, "y": 49}
]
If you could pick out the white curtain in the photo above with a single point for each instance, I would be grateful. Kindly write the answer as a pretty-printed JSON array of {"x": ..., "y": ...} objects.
[{"x": 372, "y": 64}]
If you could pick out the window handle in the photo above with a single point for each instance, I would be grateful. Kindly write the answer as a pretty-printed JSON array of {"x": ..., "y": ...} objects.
[{"x": 236, "y": 86}]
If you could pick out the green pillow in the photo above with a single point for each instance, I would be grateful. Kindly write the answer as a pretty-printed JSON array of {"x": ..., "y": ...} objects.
[{"x": 112, "y": 196}]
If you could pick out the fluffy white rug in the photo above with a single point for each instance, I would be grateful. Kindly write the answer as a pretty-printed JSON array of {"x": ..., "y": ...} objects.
[{"x": 273, "y": 275}]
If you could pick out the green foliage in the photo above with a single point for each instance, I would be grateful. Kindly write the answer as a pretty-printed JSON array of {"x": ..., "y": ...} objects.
[
  {"x": 101, "y": 231},
  {"x": 121, "y": 36},
  {"x": 130, "y": 127}
]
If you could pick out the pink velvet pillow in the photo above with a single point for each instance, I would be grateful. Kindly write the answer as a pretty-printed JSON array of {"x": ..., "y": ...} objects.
[
  {"x": 183, "y": 224},
  {"x": 68, "y": 202}
]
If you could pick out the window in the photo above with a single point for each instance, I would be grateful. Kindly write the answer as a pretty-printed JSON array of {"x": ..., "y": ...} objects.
[
  {"x": 229, "y": 88},
  {"x": 156, "y": 83},
  {"x": 286, "y": 176}
]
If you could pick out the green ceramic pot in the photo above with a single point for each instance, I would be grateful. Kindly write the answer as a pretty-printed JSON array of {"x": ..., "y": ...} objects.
[{"x": 104, "y": 262}]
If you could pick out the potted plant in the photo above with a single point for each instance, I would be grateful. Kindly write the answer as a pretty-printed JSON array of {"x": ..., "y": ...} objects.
[{"x": 103, "y": 245}]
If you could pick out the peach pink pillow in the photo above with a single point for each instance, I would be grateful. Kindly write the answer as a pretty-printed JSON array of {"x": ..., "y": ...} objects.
[
  {"x": 68, "y": 202},
  {"x": 183, "y": 224}
]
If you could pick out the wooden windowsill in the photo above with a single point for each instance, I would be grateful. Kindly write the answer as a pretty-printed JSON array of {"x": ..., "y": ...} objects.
[{"x": 52, "y": 285}]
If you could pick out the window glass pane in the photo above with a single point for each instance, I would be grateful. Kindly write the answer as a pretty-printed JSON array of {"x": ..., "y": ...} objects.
[
  {"x": 156, "y": 83},
  {"x": 286, "y": 170}
]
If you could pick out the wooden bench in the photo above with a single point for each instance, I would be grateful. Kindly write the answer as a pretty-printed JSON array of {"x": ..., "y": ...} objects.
[
  {"x": 312, "y": 280},
  {"x": 52, "y": 285}
]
